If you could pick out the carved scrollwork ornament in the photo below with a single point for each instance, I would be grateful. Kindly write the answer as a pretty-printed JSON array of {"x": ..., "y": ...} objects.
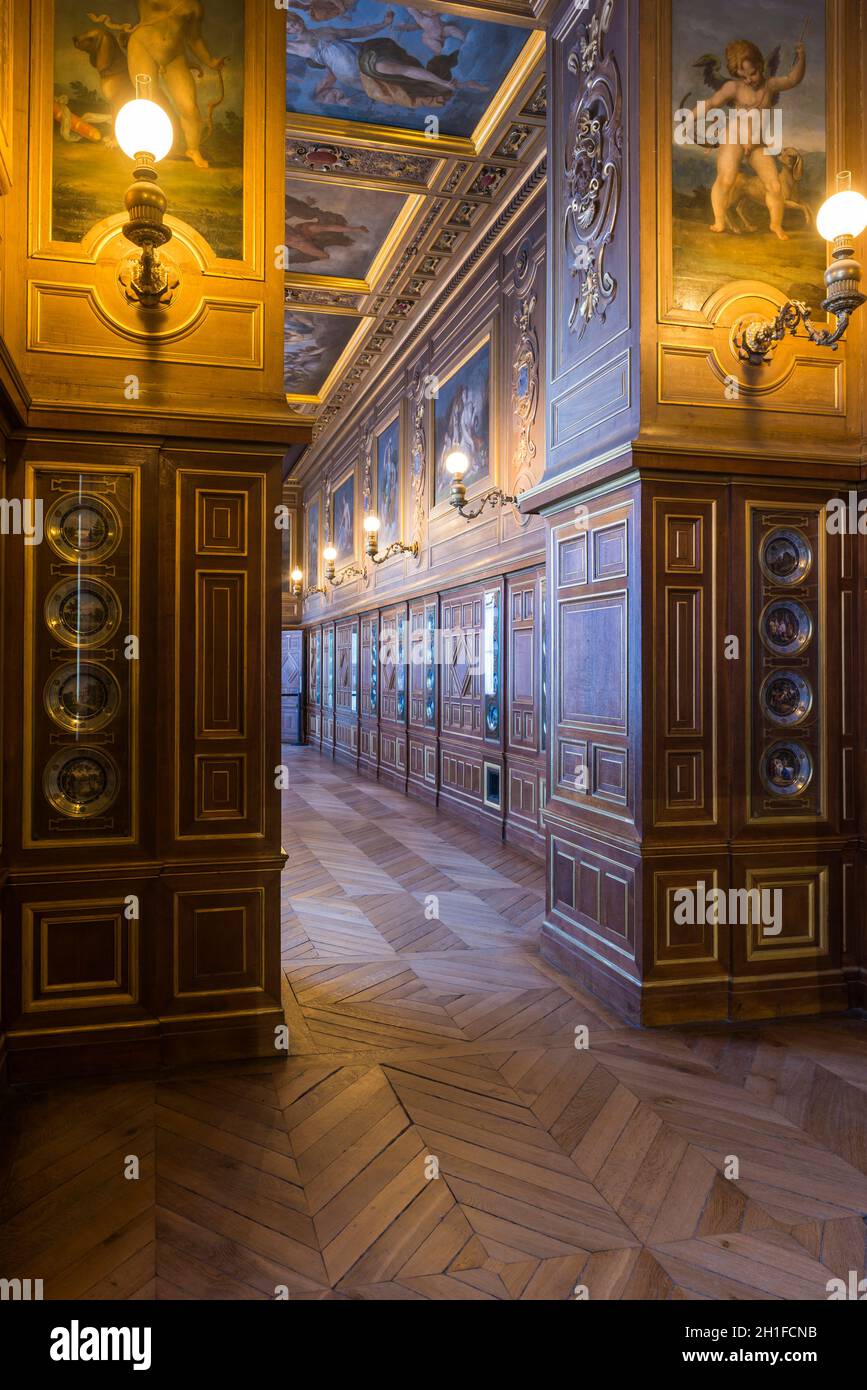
[
  {"x": 418, "y": 457},
  {"x": 525, "y": 399},
  {"x": 367, "y": 468},
  {"x": 593, "y": 172},
  {"x": 326, "y": 519}
]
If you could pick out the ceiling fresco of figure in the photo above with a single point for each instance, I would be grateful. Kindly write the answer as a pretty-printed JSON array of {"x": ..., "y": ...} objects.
[
  {"x": 395, "y": 65},
  {"x": 392, "y": 151},
  {"x": 312, "y": 346},
  {"x": 333, "y": 229}
]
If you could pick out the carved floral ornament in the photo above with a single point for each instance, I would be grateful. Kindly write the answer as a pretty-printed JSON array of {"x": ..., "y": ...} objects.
[
  {"x": 525, "y": 377},
  {"x": 594, "y": 161},
  {"x": 417, "y": 453}
]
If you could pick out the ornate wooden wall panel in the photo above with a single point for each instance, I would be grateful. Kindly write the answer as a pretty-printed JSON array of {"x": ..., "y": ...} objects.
[
  {"x": 524, "y": 734},
  {"x": 146, "y": 781},
  {"x": 346, "y": 696},
  {"x": 314, "y": 687},
  {"x": 423, "y": 698},
  {"x": 368, "y": 749},
  {"x": 394, "y": 704},
  {"x": 292, "y": 685},
  {"x": 795, "y": 821},
  {"x": 594, "y": 801},
  {"x": 220, "y": 696},
  {"x": 328, "y": 688},
  {"x": 592, "y": 284},
  {"x": 413, "y": 673}
]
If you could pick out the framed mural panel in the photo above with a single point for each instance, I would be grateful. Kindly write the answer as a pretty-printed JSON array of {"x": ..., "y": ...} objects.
[
  {"x": 395, "y": 65},
  {"x": 314, "y": 529},
  {"x": 462, "y": 418},
  {"x": 206, "y": 63},
  {"x": 747, "y": 143},
  {"x": 343, "y": 518},
  {"x": 388, "y": 483}
]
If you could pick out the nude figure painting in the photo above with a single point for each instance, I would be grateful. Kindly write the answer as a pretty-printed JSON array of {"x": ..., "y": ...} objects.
[
  {"x": 193, "y": 50},
  {"x": 744, "y": 198}
]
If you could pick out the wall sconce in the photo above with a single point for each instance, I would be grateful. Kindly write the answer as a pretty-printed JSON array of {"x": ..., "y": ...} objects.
[
  {"x": 297, "y": 577},
  {"x": 457, "y": 464},
  {"x": 329, "y": 555},
  {"x": 144, "y": 133},
  {"x": 371, "y": 528},
  {"x": 840, "y": 219}
]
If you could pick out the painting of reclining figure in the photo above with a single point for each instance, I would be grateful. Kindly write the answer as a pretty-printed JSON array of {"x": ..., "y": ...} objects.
[{"x": 395, "y": 65}]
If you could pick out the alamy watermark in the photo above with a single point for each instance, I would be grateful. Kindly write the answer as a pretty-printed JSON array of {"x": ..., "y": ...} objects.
[
  {"x": 730, "y": 907},
  {"x": 22, "y": 517}
]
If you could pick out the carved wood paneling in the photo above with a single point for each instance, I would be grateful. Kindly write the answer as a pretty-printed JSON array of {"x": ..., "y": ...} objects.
[{"x": 220, "y": 696}]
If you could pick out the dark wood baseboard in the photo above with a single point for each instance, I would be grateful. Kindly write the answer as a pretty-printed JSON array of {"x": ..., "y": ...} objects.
[
  {"x": 654, "y": 1005},
  {"x": 143, "y": 1047},
  {"x": 422, "y": 791}
]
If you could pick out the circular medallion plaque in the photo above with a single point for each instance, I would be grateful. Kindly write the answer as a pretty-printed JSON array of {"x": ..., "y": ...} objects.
[
  {"x": 785, "y": 627},
  {"x": 785, "y": 697},
  {"x": 82, "y": 528},
  {"x": 82, "y": 612},
  {"x": 786, "y": 769},
  {"x": 80, "y": 782},
  {"x": 82, "y": 696},
  {"x": 785, "y": 556}
]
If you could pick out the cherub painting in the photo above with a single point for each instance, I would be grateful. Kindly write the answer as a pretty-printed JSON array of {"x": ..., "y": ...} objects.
[
  {"x": 193, "y": 52},
  {"x": 753, "y": 87},
  {"x": 750, "y": 82}
]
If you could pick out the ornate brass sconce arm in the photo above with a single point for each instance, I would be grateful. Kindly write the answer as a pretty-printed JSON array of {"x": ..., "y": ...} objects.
[
  {"x": 755, "y": 343},
  {"x": 379, "y": 557},
  {"x": 842, "y": 278},
  {"x": 351, "y": 572},
  {"x": 495, "y": 497}
]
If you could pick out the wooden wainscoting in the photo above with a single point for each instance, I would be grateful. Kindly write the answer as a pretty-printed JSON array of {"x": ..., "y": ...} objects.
[{"x": 446, "y": 700}]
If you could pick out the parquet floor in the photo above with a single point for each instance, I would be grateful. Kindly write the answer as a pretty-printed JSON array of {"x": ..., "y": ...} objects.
[{"x": 436, "y": 1134}]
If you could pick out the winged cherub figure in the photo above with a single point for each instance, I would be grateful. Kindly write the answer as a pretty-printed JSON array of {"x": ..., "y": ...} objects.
[{"x": 753, "y": 87}]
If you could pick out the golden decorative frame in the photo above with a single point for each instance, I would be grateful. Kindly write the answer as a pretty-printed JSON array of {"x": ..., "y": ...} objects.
[
  {"x": 396, "y": 413},
  {"x": 489, "y": 333}
]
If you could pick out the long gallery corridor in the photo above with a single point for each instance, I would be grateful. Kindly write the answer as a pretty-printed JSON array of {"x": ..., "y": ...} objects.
[{"x": 436, "y": 1132}]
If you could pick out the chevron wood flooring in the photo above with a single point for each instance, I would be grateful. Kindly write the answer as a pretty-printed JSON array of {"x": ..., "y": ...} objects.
[{"x": 435, "y": 1133}]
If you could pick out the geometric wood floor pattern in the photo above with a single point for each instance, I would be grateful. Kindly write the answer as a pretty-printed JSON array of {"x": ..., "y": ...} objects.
[{"x": 435, "y": 1132}]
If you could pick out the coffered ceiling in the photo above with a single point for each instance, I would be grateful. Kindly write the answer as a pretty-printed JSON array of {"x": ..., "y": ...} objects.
[{"x": 406, "y": 128}]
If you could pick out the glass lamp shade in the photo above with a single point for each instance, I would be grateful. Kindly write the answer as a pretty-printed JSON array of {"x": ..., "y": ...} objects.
[
  {"x": 843, "y": 214},
  {"x": 142, "y": 127},
  {"x": 329, "y": 554},
  {"x": 457, "y": 463},
  {"x": 371, "y": 524},
  {"x": 296, "y": 576}
]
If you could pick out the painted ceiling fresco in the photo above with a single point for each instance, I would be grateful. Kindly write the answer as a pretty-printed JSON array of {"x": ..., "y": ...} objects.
[
  {"x": 384, "y": 106},
  {"x": 395, "y": 65},
  {"x": 334, "y": 229}
]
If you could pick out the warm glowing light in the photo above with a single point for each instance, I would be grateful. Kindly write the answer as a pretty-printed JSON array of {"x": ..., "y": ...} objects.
[
  {"x": 457, "y": 463},
  {"x": 142, "y": 127},
  {"x": 843, "y": 214},
  {"x": 329, "y": 554},
  {"x": 371, "y": 523},
  {"x": 297, "y": 576}
]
